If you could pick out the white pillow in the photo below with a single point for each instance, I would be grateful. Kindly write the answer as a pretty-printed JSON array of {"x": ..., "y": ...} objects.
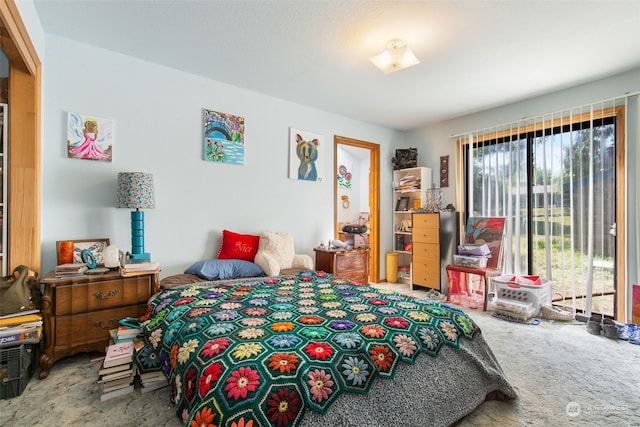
[{"x": 275, "y": 252}]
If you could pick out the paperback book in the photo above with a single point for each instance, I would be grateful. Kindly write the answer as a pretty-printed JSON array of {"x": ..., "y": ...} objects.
[
  {"x": 135, "y": 269},
  {"x": 147, "y": 387},
  {"x": 117, "y": 375},
  {"x": 109, "y": 388},
  {"x": 115, "y": 393},
  {"x": 70, "y": 270},
  {"x": 118, "y": 354},
  {"x": 117, "y": 368}
]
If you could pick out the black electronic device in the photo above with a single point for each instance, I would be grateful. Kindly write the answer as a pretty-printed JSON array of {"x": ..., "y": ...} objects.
[{"x": 354, "y": 229}]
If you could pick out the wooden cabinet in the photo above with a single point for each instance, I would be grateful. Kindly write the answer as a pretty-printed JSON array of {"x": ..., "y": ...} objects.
[
  {"x": 78, "y": 312},
  {"x": 409, "y": 194},
  {"x": 426, "y": 250},
  {"x": 347, "y": 264},
  {"x": 435, "y": 238}
]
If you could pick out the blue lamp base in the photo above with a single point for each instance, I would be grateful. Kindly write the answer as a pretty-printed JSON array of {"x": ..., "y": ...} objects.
[
  {"x": 136, "y": 258},
  {"x": 137, "y": 238}
]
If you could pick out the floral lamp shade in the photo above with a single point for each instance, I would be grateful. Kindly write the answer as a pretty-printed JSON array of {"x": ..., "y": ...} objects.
[{"x": 135, "y": 190}]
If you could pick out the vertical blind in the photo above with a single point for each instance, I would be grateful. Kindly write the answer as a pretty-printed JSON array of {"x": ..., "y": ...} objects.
[{"x": 559, "y": 180}]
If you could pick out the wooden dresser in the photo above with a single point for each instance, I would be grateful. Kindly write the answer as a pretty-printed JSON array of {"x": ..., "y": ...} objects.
[
  {"x": 348, "y": 264},
  {"x": 435, "y": 238},
  {"x": 78, "y": 312}
]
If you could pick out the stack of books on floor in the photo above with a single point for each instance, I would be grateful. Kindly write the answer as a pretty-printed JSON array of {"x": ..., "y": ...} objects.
[
  {"x": 21, "y": 328},
  {"x": 153, "y": 380},
  {"x": 70, "y": 270},
  {"x": 134, "y": 269},
  {"x": 117, "y": 374},
  {"x": 124, "y": 333}
]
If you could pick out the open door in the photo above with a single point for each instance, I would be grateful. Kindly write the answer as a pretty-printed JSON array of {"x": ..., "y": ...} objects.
[{"x": 370, "y": 186}]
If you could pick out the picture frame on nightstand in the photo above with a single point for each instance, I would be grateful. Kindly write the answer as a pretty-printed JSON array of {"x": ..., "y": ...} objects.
[{"x": 96, "y": 246}]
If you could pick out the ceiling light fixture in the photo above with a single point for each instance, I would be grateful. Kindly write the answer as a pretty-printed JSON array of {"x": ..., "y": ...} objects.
[{"x": 397, "y": 56}]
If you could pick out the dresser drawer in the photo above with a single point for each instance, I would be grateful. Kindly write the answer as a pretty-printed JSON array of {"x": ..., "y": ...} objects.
[
  {"x": 426, "y": 272},
  {"x": 91, "y": 328},
  {"x": 428, "y": 280},
  {"x": 426, "y": 235},
  {"x": 93, "y": 296},
  {"x": 426, "y": 221},
  {"x": 427, "y": 250},
  {"x": 349, "y": 262},
  {"x": 354, "y": 276}
]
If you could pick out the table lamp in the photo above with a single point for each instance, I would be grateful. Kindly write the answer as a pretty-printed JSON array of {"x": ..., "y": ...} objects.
[{"x": 135, "y": 191}]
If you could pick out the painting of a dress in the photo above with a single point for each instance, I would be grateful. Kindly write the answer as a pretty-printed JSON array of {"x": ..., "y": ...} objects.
[
  {"x": 223, "y": 138},
  {"x": 89, "y": 137}
]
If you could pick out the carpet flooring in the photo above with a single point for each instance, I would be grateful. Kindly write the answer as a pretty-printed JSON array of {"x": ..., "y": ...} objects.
[{"x": 564, "y": 375}]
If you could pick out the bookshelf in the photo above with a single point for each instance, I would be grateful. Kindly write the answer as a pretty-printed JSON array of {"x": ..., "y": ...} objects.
[{"x": 409, "y": 194}]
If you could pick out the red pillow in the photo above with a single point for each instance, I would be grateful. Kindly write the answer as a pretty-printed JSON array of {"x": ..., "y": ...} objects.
[{"x": 238, "y": 246}]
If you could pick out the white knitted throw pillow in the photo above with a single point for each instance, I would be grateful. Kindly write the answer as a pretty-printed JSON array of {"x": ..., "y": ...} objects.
[{"x": 275, "y": 252}]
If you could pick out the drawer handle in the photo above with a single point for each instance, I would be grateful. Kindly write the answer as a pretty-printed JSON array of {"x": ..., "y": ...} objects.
[
  {"x": 112, "y": 293},
  {"x": 100, "y": 324}
]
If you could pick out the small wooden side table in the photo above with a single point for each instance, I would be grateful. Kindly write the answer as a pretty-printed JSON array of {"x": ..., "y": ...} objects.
[
  {"x": 350, "y": 264},
  {"x": 78, "y": 312}
]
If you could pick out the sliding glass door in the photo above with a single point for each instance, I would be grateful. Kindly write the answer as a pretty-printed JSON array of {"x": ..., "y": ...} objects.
[{"x": 555, "y": 179}]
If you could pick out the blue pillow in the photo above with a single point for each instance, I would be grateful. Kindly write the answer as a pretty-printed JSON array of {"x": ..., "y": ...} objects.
[{"x": 213, "y": 269}]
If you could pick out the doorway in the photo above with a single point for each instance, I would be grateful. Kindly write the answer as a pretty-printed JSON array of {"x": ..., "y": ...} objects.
[
  {"x": 24, "y": 98},
  {"x": 368, "y": 191}
]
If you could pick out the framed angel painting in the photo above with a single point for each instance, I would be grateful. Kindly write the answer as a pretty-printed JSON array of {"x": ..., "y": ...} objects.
[{"x": 89, "y": 137}]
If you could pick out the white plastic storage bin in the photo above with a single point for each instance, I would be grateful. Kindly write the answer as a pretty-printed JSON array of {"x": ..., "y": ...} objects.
[
  {"x": 470, "y": 261},
  {"x": 523, "y": 289},
  {"x": 516, "y": 310}
]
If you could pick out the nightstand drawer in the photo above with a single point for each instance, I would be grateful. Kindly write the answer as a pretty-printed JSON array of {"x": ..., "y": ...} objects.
[
  {"x": 351, "y": 264},
  {"x": 90, "y": 328},
  {"x": 93, "y": 296},
  {"x": 354, "y": 276},
  {"x": 351, "y": 261}
]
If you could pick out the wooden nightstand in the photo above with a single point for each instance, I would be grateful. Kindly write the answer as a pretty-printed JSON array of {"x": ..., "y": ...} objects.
[
  {"x": 347, "y": 264},
  {"x": 78, "y": 312}
]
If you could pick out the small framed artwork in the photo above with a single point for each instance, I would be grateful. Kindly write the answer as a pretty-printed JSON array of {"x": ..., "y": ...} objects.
[
  {"x": 402, "y": 204},
  {"x": 223, "y": 137},
  {"x": 444, "y": 171},
  {"x": 96, "y": 246},
  {"x": 306, "y": 155},
  {"x": 89, "y": 137}
]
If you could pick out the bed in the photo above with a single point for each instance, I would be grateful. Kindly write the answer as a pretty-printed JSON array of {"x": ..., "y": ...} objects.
[{"x": 312, "y": 349}]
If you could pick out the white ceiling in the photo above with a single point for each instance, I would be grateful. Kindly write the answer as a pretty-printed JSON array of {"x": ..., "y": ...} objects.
[{"x": 473, "y": 54}]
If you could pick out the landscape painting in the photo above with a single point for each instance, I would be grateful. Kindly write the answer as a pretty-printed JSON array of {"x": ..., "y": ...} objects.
[{"x": 223, "y": 138}]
